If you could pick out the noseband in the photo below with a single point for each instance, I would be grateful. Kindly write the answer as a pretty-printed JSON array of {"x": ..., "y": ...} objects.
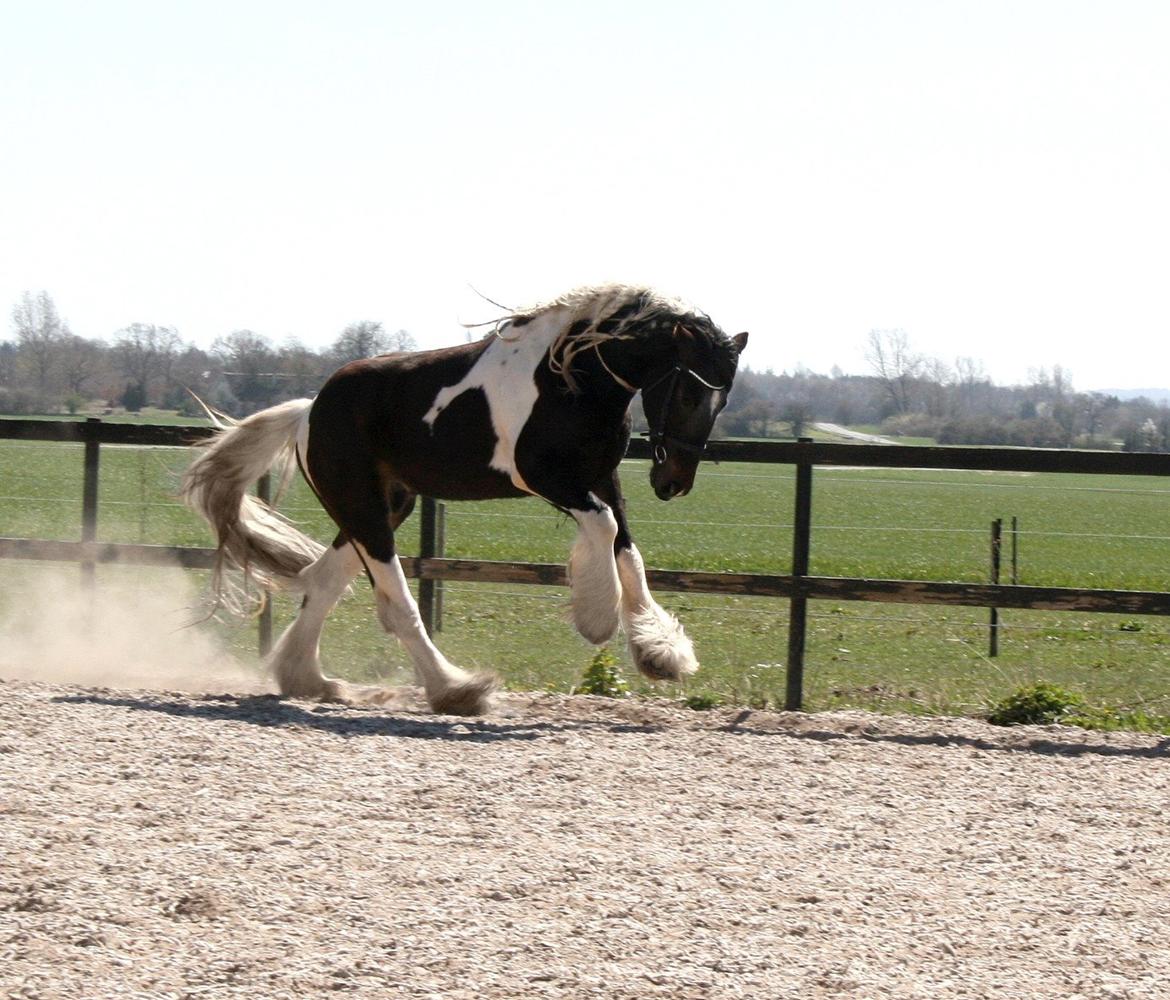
[{"x": 659, "y": 439}]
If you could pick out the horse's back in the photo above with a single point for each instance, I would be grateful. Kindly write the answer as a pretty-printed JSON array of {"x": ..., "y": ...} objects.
[{"x": 373, "y": 412}]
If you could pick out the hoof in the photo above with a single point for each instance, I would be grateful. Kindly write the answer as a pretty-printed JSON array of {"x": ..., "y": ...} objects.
[
  {"x": 470, "y": 697},
  {"x": 660, "y": 648},
  {"x": 597, "y": 633},
  {"x": 336, "y": 691},
  {"x": 325, "y": 690},
  {"x": 659, "y": 665},
  {"x": 593, "y": 627}
]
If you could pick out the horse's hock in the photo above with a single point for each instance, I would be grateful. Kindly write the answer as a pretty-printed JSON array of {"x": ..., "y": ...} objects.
[{"x": 163, "y": 845}]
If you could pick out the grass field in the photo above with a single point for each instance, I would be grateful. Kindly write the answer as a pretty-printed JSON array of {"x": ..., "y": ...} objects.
[{"x": 1075, "y": 531}]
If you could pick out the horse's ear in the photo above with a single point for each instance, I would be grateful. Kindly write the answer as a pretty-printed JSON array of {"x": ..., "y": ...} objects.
[{"x": 740, "y": 341}]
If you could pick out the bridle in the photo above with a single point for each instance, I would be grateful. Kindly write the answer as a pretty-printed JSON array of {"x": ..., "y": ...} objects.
[{"x": 659, "y": 439}]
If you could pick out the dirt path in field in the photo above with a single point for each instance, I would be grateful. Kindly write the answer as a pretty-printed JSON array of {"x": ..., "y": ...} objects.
[
  {"x": 845, "y": 432},
  {"x": 178, "y": 845}
]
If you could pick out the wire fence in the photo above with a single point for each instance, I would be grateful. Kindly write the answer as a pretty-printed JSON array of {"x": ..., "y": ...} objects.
[{"x": 729, "y": 534}]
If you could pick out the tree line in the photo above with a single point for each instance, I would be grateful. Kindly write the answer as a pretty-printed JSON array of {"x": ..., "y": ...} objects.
[
  {"x": 907, "y": 394},
  {"x": 46, "y": 368}
]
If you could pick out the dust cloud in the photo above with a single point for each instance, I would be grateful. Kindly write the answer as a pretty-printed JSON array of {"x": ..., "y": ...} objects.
[{"x": 132, "y": 629}]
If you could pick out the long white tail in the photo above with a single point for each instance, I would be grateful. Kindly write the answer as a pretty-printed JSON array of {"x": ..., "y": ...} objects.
[{"x": 251, "y": 536}]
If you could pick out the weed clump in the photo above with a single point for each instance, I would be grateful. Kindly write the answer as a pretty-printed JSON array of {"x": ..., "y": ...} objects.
[
  {"x": 702, "y": 702},
  {"x": 1043, "y": 704},
  {"x": 602, "y": 677},
  {"x": 1039, "y": 704}
]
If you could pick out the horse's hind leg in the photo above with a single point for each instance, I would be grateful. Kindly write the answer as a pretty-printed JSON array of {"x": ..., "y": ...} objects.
[
  {"x": 449, "y": 689},
  {"x": 295, "y": 659}
]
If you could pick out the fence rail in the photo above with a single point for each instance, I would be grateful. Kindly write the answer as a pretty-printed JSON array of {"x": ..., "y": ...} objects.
[{"x": 798, "y": 587}]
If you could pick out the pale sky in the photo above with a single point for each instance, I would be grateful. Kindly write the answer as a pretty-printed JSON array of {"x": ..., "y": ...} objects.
[{"x": 992, "y": 177}]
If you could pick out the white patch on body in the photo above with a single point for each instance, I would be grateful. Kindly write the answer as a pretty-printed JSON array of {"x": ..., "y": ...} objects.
[{"x": 506, "y": 372}]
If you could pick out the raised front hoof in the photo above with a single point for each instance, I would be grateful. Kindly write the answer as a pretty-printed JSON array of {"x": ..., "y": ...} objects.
[
  {"x": 470, "y": 697},
  {"x": 664, "y": 664}
]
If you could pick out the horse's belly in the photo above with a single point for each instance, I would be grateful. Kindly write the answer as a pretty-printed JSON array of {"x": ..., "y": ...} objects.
[{"x": 477, "y": 486}]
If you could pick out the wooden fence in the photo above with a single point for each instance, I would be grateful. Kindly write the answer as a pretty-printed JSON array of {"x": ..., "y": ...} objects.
[{"x": 798, "y": 587}]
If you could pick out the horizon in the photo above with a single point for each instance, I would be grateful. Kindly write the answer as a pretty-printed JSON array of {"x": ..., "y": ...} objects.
[{"x": 990, "y": 180}]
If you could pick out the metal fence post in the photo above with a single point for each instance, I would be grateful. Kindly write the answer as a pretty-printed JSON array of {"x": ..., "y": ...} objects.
[
  {"x": 440, "y": 551},
  {"x": 798, "y": 604},
  {"x": 996, "y": 551}
]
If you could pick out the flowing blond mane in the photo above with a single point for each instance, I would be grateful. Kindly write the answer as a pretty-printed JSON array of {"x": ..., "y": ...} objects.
[{"x": 620, "y": 308}]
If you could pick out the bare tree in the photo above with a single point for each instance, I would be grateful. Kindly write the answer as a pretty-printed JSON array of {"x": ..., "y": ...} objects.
[
  {"x": 937, "y": 381},
  {"x": 40, "y": 333},
  {"x": 249, "y": 362},
  {"x": 81, "y": 362},
  {"x": 145, "y": 353},
  {"x": 368, "y": 338},
  {"x": 303, "y": 370},
  {"x": 894, "y": 365}
]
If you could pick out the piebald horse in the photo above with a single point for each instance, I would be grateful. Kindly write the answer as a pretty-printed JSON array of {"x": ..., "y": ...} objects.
[{"x": 539, "y": 407}]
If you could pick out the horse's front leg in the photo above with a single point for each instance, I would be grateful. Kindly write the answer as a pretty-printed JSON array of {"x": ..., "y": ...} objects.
[
  {"x": 594, "y": 585},
  {"x": 659, "y": 646}
]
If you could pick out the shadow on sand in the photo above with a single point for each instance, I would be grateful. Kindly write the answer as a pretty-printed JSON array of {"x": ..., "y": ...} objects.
[{"x": 343, "y": 720}]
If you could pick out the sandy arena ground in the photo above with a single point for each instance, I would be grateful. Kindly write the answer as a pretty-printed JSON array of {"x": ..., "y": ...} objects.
[{"x": 180, "y": 845}]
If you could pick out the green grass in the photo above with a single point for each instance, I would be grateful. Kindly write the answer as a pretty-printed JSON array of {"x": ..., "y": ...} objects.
[{"x": 906, "y": 524}]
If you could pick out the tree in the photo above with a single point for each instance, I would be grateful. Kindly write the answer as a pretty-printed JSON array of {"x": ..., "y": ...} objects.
[
  {"x": 40, "y": 333},
  {"x": 145, "y": 353},
  {"x": 249, "y": 362},
  {"x": 797, "y": 412},
  {"x": 302, "y": 370},
  {"x": 81, "y": 361},
  {"x": 895, "y": 366},
  {"x": 368, "y": 338}
]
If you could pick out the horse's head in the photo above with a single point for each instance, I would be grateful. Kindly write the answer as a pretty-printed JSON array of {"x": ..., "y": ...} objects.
[{"x": 683, "y": 394}]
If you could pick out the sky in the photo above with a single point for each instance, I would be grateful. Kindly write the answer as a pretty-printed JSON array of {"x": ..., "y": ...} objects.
[{"x": 991, "y": 177}]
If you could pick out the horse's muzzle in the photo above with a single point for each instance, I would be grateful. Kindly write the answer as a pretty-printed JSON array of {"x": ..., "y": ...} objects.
[{"x": 672, "y": 477}]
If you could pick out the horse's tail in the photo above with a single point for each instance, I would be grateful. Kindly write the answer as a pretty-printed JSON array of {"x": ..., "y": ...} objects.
[{"x": 252, "y": 537}]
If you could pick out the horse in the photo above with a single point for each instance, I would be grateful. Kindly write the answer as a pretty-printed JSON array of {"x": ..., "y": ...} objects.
[{"x": 540, "y": 406}]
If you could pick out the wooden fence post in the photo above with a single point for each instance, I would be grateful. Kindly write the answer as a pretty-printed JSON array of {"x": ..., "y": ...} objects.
[
  {"x": 89, "y": 493},
  {"x": 798, "y": 604},
  {"x": 1015, "y": 551},
  {"x": 427, "y": 549}
]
